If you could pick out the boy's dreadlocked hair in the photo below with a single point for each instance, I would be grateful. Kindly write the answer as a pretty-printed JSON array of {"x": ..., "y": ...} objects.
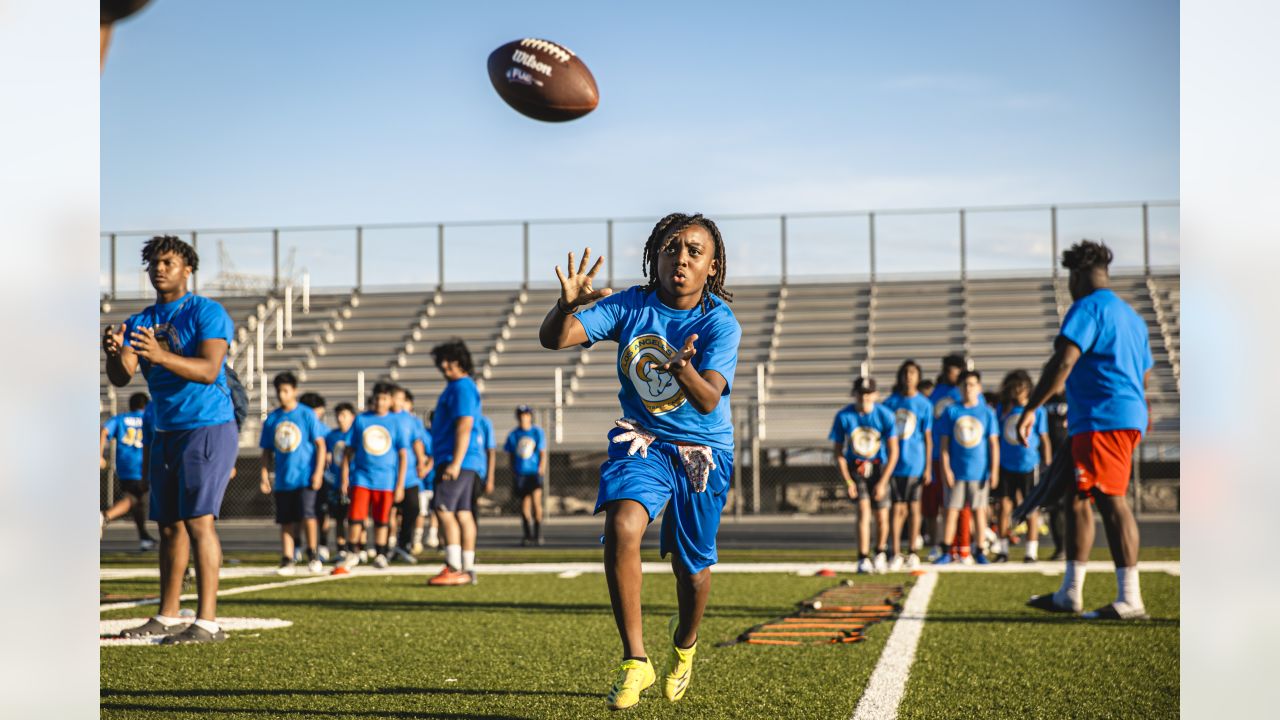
[
  {"x": 1009, "y": 387},
  {"x": 161, "y": 244},
  {"x": 1087, "y": 255},
  {"x": 662, "y": 233}
]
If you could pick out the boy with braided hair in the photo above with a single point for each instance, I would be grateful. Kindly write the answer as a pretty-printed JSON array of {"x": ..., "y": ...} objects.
[{"x": 677, "y": 351}]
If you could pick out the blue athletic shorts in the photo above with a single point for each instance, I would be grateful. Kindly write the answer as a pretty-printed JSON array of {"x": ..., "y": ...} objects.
[
  {"x": 455, "y": 495},
  {"x": 526, "y": 484},
  {"x": 692, "y": 519},
  {"x": 295, "y": 505},
  {"x": 190, "y": 470}
]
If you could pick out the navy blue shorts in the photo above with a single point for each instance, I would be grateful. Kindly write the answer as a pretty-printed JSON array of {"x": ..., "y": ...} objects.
[
  {"x": 295, "y": 505},
  {"x": 526, "y": 484},
  {"x": 692, "y": 519},
  {"x": 455, "y": 495},
  {"x": 190, "y": 470}
]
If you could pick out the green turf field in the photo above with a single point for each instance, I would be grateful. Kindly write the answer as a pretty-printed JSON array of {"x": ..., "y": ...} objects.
[{"x": 537, "y": 646}]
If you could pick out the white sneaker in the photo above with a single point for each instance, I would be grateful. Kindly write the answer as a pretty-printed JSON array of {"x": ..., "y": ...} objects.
[
  {"x": 895, "y": 565},
  {"x": 323, "y": 553},
  {"x": 913, "y": 561},
  {"x": 380, "y": 561},
  {"x": 966, "y": 560},
  {"x": 315, "y": 567},
  {"x": 416, "y": 549},
  {"x": 433, "y": 540},
  {"x": 297, "y": 554},
  {"x": 146, "y": 545},
  {"x": 364, "y": 556},
  {"x": 918, "y": 543},
  {"x": 864, "y": 566},
  {"x": 350, "y": 561},
  {"x": 285, "y": 568},
  {"x": 881, "y": 563}
]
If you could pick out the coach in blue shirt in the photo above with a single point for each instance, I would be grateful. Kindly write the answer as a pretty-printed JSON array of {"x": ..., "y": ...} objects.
[{"x": 180, "y": 345}]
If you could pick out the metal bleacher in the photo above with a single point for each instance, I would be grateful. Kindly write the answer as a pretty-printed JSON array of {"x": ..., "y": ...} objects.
[{"x": 809, "y": 341}]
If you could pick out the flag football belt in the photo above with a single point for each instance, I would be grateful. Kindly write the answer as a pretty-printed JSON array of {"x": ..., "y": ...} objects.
[{"x": 697, "y": 459}]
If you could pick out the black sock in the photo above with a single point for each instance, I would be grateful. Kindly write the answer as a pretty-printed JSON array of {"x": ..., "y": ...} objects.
[
  {"x": 524, "y": 522},
  {"x": 537, "y": 528},
  {"x": 862, "y": 556},
  {"x": 311, "y": 554},
  {"x": 286, "y": 559},
  {"x": 641, "y": 658}
]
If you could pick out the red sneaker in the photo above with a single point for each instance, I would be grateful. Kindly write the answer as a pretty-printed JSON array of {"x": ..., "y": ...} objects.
[{"x": 449, "y": 576}]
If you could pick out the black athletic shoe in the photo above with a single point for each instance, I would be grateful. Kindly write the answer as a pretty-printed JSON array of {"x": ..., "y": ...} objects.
[
  {"x": 153, "y": 628},
  {"x": 1057, "y": 555},
  {"x": 1046, "y": 602},
  {"x": 194, "y": 634},
  {"x": 1002, "y": 557}
]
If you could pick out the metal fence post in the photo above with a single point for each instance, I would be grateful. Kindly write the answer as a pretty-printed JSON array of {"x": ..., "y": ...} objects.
[
  {"x": 964, "y": 271},
  {"x": 609, "y": 248},
  {"x": 871, "y": 235},
  {"x": 754, "y": 419},
  {"x": 546, "y": 480},
  {"x": 1053, "y": 239},
  {"x": 525, "y": 227},
  {"x": 288, "y": 310},
  {"x": 113, "y": 266},
  {"x": 360, "y": 390},
  {"x": 359, "y": 258},
  {"x": 275, "y": 259},
  {"x": 1146, "y": 242},
  {"x": 559, "y": 407},
  {"x": 440, "y": 256},
  {"x": 195, "y": 276},
  {"x": 783, "y": 238}
]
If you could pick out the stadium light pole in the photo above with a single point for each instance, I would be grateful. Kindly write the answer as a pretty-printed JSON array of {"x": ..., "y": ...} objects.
[
  {"x": 1053, "y": 241},
  {"x": 964, "y": 271},
  {"x": 195, "y": 276},
  {"x": 113, "y": 266},
  {"x": 783, "y": 238},
  {"x": 609, "y": 250},
  {"x": 359, "y": 258},
  {"x": 275, "y": 259},
  {"x": 440, "y": 257},
  {"x": 525, "y": 239},
  {"x": 1146, "y": 243},
  {"x": 871, "y": 236}
]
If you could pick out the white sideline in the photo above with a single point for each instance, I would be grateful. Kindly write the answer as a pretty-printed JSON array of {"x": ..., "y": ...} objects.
[
  {"x": 888, "y": 682},
  {"x": 223, "y": 593},
  {"x": 1171, "y": 567}
]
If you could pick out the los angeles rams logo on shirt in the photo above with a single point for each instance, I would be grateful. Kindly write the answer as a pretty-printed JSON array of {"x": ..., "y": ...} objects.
[
  {"x": 656, "y": 388},
  {"x": 1011, "y": 428},
  {"x": 865, "y": 441},
  {"x": 967, "y": 431},
  {"x": 525, "y": 448},
  {"x": 288, "y": 437},
  {"x": 941, "y": 406},
  {"x": 376, "y": 440},
  {"x": 906, "y": 421}
]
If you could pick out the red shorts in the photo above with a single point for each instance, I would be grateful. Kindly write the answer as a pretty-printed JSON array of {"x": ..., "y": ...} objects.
[
  {"x": 375, "y": 504},
  {"x": 1104, "y": 459},
  {"x": 931, "y": 495}
]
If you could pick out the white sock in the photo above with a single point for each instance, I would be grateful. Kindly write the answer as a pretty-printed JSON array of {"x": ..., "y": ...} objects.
[
  {"x": 209, "y": 625},
  {"x": 1033, "y": 547},
  {"x": 1127, "y": 590},
  {"x": 1004, "y": 546},
  {"x": 453, "y": 556},
  {"x": 468, "y": 560},
  {"x": 168, "y": 621},
  {"x": 433, "y": 535},
  {"x": 1071, "y": 594},
  {"x": 417, "y": 536}
]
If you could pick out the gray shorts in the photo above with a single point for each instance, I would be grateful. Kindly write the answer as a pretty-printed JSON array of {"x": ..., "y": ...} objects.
[
  {"x": 971, "y": 492},
  {"x": 867, "y": 488}
]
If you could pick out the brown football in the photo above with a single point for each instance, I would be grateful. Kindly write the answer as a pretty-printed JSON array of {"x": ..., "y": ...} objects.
[{"x": 543, "y": 80}]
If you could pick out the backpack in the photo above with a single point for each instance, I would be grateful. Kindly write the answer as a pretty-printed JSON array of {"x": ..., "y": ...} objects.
[{"x": 239, "y": 396}]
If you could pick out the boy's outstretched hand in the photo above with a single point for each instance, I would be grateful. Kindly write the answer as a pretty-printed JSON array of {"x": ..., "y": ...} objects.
[
  {"x": 575, "y": 289},
  {"x": 682, "y": 358}
]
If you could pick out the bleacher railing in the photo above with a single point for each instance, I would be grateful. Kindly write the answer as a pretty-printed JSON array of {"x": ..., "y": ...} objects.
[{"x": 787, "y": 247}]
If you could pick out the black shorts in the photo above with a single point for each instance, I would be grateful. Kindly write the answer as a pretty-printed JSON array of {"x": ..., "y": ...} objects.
[
  {"x": 526, "y": 484},
  {"x": 408, "y": 507},
  {"x": 329, "y": 503},
  {"x": 137, "y": 488},
  {"x": 456, "y": 495},
  {"x": 295, "y": 505},
  {"x": 867, "y": 487},
  {"x": 1015, "y": 485},
  {"x": 905, "y": 489}
]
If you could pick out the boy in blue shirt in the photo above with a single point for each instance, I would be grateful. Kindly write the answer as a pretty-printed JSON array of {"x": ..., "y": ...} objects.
[
  {"x": 408, "y": 512},
  {"x": 180, "y": 345},
  {"x": 336, "y": 503},
  {"x": 1018, "y": 462},
  {"x": 126, "y": 430},
  {"x": 293, "y": 440},
  {"x": 1102, "y": 357},
  {"x": 941, "y": 395},
  {"x": 970, "y": 458},
  {"x": 460, "y": 460},
  {"x": 677, "y": 352},
  {"x": 866, "y": 451},
  {"x": 526, "y": 445},
  {"x": 913, "y": 416},
  {"x": 374, "y": 476}
]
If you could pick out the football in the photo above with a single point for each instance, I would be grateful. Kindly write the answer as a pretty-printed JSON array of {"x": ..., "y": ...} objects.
[{"x": 543, "y": 80}]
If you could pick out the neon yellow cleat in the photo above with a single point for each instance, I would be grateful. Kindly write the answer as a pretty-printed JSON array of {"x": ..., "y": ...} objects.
[
  {"x": 633, "y": 677},
  {"x": 681, "y": 672}
]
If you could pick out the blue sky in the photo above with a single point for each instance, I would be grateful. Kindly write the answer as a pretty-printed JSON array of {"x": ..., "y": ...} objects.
[{"x": 240, "y": 113}]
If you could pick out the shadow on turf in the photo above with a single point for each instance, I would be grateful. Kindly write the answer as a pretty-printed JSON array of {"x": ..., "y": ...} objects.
[
  {"x": 278, "y": 712},
  {"x": 1047, "y": 619},
  {"x": 468, "y": 605},
  {"x": 271, "y": 692}
]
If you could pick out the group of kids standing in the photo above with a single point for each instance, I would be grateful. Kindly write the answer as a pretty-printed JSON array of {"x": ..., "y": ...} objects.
[
  {"x": 947, "y": 447},
  {"x": 670, "y": 453}
]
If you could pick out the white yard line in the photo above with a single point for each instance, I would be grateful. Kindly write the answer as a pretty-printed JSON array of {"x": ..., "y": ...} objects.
[
  {"x": 228, "y": 591},
  {"x": 888, "y": 682},
  {"x": 1046, "y": 568}
]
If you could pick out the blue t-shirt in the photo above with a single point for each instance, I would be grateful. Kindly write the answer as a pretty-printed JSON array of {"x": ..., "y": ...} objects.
[
  {"x": 335, "y": 443},
  {"x": 461, "y": 398},
  {"x": 969, "y": 429},
  {"x": 648, "y": 334},
  {"x": 914, "y": 418},
  {"x": 483, "y": 438},
  {"x": 1013, "y": 456},
  {"x": 864, "y": 437},
  {"x": 181, "y": 326},
  {"x": 148, "y": 425},
  {"x": 1105, "y": 389},
  {"x": 414, "y": 430},
  {"x": 126, "y": 430},
  {"x": 292, "y": 435},
  {"x": 942, "y": 397},
  {"x": 525, "y": 448},
  {"x": 378, "y": 440}
]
